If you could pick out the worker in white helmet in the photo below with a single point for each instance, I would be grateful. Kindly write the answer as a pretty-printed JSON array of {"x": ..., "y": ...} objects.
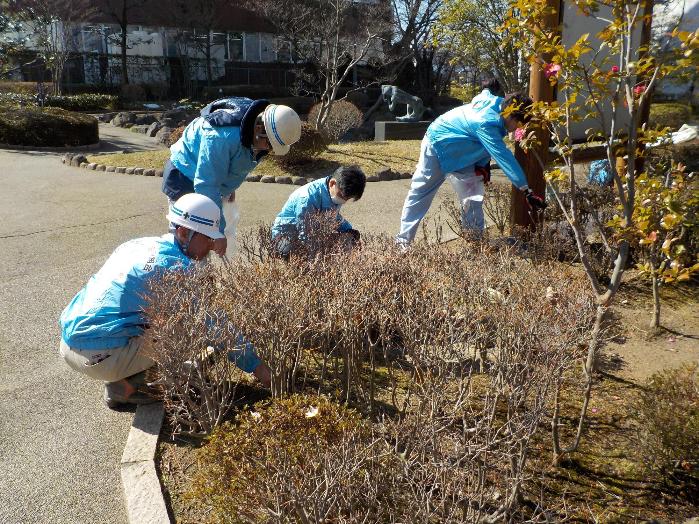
[
  {"x": 103, "y": 327},
  {"x": 221, "y": 147}
]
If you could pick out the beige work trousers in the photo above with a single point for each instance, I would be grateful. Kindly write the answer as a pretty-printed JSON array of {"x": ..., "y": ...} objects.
[{"x": 110, "y": 365}]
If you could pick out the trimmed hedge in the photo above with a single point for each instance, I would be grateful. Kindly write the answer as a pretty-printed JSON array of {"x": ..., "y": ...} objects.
[
  {"x": 83, "y": 102},
  {"x": 670, "y": 114},
  {"x": 48, "y": 127}
]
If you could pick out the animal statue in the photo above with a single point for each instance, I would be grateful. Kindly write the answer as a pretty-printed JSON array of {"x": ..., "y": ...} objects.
[{"x": 393, "y": 95}]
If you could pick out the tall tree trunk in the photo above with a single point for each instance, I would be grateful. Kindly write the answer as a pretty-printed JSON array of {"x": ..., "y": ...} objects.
[
  {"x": 208, "y": 59},
  {"x": 124, "y": 43},
  {"x": 655, "y": 320}
]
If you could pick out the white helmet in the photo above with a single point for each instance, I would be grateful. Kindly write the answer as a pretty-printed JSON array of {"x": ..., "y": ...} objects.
[
  {"x": 198, "y": 213},
  {"x": 283, "y": 127}
]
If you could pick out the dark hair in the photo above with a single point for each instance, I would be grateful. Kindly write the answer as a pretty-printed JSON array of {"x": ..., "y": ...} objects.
[
  {"x": 492, "y": 85},
  {"x": 350, "y": 181},
  {"x": 521, "y": 106}
]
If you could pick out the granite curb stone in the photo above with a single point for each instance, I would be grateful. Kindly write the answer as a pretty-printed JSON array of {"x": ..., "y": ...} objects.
[
  {"x": 142, "y": 492},
  {"x": 80, "y": 160}
]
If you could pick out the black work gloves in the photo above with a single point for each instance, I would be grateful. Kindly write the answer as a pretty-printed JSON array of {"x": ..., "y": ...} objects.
[{"x": 535, "y": 201}]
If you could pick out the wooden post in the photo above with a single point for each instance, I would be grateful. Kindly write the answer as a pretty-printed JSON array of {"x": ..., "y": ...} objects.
[{"x": 540, "y": 90}]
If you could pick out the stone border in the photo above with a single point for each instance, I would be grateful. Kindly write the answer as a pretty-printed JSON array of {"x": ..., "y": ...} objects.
[
  {"x": 88, "y": 147},
  {"x": 78, "y": 160},
  {"x": 139, "y": 479}
]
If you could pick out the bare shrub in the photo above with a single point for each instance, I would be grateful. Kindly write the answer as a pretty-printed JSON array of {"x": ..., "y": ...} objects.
[
  {"x": 668, "y": 413},
  {"x": 496, "y": 205},
  {"x": 174, "y": 136},
  {"x": 343, "y": 116},
  {"x": 198, "y": 383},
  {"x": 459, "y": 351},
  {"x": 311, "y": 144},
  {"x": 302, "y": 459}
]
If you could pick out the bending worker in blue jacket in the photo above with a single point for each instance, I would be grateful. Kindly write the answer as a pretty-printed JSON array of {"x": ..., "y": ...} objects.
[
  {"x": 221, "y": 147},
  {"x": 103, "y": 329},
  {"x": 459, "y": 144},
  {"x": 325, "y": 194}
]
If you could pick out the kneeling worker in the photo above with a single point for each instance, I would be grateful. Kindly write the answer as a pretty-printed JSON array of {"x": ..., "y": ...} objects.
[
  {"x": 103, "y": 329},
  {"x": 323, "y": 195}
]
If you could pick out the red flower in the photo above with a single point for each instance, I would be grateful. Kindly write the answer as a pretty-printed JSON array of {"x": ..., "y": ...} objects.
[
  {"x": 615, "y": 69},
  {"x": 638, "y": 90},
  {"x": 552, "y": 70}
]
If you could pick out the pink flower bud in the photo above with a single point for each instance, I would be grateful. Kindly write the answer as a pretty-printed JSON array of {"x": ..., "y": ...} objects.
[
  {"x": 551, "y": 70},
  {"x": 519, "y": 134},
  {"x": 638, "y": 90},
  {"x": 615, "y": 69}
]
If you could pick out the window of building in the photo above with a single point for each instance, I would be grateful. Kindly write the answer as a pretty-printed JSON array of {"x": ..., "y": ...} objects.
[
  {"x": 252, "y": 47},
  {"x": 235, "y": 47},
  {"x": 283, "y": 51},
  {"x": 268, "y": 48}
]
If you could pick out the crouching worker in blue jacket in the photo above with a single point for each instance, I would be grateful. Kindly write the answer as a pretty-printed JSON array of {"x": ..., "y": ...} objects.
[
  {"x": 103, "y": 329},
  {"x": 221, "y": 147},
  {"x": 459, "y": 145},
  {"x": 327, "y": 194}
]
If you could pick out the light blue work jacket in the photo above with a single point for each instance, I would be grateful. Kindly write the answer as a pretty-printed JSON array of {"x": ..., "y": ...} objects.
[
  {"x": 109, "y": 310},
  {"x": 314, "y": 196},
  {"x": 468, "y": 135},
  {"x": 213, "y": 159}
]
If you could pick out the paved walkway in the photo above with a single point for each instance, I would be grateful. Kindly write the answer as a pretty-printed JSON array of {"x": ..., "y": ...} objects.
[{"x": 59, "y": 445}]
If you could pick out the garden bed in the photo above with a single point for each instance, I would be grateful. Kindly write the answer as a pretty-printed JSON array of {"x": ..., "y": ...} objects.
[{"x": 604, "y": 481}]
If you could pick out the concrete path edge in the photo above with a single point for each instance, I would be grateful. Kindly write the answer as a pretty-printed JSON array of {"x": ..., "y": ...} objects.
[{"x": 143, "y": 495}]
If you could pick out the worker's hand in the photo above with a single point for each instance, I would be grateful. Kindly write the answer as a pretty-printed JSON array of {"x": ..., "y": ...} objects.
[
  {"x": 535, "y": 201},
  {"x": 231, "y": 197},
  {"x": 220, "y": 245}
]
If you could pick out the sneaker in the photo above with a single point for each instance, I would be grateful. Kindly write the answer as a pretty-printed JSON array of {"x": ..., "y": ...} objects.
[{"x": 114, "y": 395}]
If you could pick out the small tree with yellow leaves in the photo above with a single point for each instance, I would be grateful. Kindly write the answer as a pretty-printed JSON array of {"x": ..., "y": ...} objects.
[{"x": 609, "y": 81}]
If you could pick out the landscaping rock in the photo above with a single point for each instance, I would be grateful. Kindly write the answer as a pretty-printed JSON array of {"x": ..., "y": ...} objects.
[
  {"x": 163, "y": 134},
  {"x": 283, "y": 179},
  {"x": 67, "y": 158},
  {"x": 110, "y": 169},
  {"x": 299, "y": 180},
  {"x": 105, "y": 117},
  {"x": 129, "y": 170},
  {"x": 84, "y": 165},
  {"x": 372, "y": 178},
  {"x": 175, "y": 114},
  {"x": 253, "y": 178},
  {"x": 387, "y": 174},
  {"x": 145, "y": 120},
  {"x": 138, "y": 171},
  {"x": 139, "y": 129},
  {"x": 159, "y": 172},
  {"x": 101, "y": 167},
  {"x": 406, "y": 176},
  {"x": 76, "y": 160},
  {"x": 92, "y": 166},
  {"x": 123, "y": 118},
  {"x": 149, "y": 172},
  {"x": 153, "y": 129},
  {"x": 357, "y": 134},
  {"x": 121, "y": 170},
  {"x": 267, "y": 179},
  {"x": 168, "y": 122}
]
